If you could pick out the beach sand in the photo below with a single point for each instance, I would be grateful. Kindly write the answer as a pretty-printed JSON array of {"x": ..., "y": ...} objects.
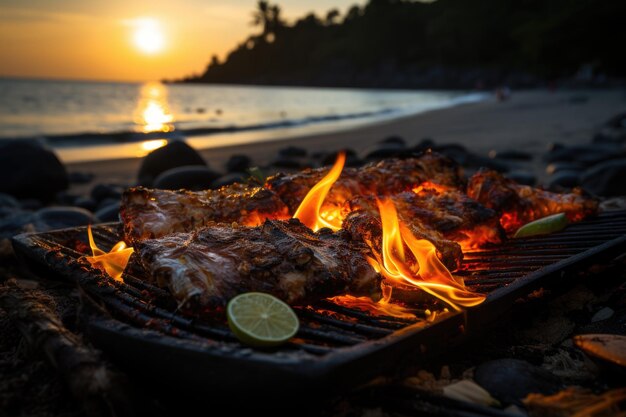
[{"x": 528, "y": 121}]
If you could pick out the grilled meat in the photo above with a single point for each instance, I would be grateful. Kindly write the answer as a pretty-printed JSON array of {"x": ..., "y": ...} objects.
[
  {"x": 284, "y": 258},
  {"x": 449, "y": 213},
  {"x": 389, "y": 176},
  {"x": 519, "y": 204},
  {"x": 365, "y": 226},
  {"x": 150, "y": 213}
]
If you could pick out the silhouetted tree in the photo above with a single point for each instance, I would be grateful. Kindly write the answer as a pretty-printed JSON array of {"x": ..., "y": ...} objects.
[
  {"x": 268, "y": 17},
  {"x": 332, "y": 16}
]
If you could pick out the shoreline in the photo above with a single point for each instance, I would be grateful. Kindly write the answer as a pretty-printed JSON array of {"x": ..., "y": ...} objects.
[{"x": 528, "y": 121}]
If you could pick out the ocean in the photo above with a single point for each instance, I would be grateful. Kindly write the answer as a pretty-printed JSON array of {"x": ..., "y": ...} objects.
[{"x": 86, "y": 121}]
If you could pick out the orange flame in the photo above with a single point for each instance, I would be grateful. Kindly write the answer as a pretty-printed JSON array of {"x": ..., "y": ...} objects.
[
  {"x": 113, "y": 262},
  {"x": 427, "y": 272},
  {"x": 309, "y": 211}
]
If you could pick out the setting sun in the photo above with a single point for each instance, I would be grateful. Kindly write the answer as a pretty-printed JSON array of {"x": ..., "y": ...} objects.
[{"x": 148, "y": 36}]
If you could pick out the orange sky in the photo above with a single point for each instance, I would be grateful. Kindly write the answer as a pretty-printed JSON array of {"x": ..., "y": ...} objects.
[{"x": 82, "y": 39}]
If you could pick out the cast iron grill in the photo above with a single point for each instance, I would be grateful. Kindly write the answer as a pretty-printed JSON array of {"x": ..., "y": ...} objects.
[{"x": 336, "y": 346}]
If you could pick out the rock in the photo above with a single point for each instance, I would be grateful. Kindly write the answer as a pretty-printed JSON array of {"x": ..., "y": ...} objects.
[
  {"x": 511, "y": 154},
  {"x": 193, "y": 177},
  {"x": 228, "y": 179},
  {"x": 611, "y": 137},
  {"x": 564, "y": 179},
  {"x": 522, "y": 177},
  {"x": 238, "y": 163},
  {"x": 86, "y": 203},
  {"x": 606, "y": 179},
  {"x": 563, "y": 166},
  {"x": 511, "y": 380},
  {"x": 107, "y": 202},
  {"x": 15, "y": 222},
  {"x": 477, "y": 161},
  {"x": 292, "y": 152},
  {"x": 352, "y": 159},
  {"x": 31, "y": 204},
  {"x": 584, "y": 154},
  {"x": 60, "y": 217},
  {"x": 80, "y": 177},
  {"x": 287, "y": 163},
  {"x": 386, "y": 150},
  {"x": 424, "y": 145},
  {"x": 603, "y": 314},
  {"x": 110, "y": 213},
  {"x": 617, "y": 122},
  {"x": 173, "y": 155},
  {"x": 7, "y": 201},
  {"x": 103, "y": 191},
  {"x": 394, "y": 140},
  {"x": 28, "y": 170}
]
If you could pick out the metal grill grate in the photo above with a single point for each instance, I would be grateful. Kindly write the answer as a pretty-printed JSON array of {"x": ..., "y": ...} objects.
[{"x": 336, "y": 345}]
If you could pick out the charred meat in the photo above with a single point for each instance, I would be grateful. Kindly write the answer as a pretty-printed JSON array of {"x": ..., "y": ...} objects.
[
  {"x": 519, "y": 204},
  {"x": 150, "y": 213},
  {"x": 208, "y": 267}
]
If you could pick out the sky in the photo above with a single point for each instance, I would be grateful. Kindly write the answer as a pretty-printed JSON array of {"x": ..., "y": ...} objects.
[{"x": 129, "y": 40}]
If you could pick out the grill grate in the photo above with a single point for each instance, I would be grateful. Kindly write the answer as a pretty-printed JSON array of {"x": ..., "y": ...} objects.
[{"x": 336, "y": 344}]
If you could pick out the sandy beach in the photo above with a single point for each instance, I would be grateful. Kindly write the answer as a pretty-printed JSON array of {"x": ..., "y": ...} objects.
[{"x": 528, "y": 121}]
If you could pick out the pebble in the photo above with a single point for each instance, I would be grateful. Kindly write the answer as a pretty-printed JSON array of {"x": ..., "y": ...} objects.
[
  {"x": 60, "y": 217},
  {"x": 109, "y": 213},
  {"x": 238, "y": 163},
  {"x": 283, "y": 162},
  {"x": 28, "y": 170},
  {"x": 424, "y": 145},
  {"x": 564, "y": 179},
  {"x": 522, "y": 177},
  {"x": 193, "y": 177},
  {"x": 292, "y": 152},
  {"x": 511, "y": 380},
  {"x": 173, "y": 155},
  {"x": 603, "y": 314},
  {"x": 394, "y": 140}
]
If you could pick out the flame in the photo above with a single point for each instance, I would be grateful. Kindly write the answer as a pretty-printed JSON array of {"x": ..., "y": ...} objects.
[
  {"x": 426, "y": 272},
  {"x": 309, "y": 211},
  {"x": 113, "y": 262},
  {"x": 430, "y": 186}
]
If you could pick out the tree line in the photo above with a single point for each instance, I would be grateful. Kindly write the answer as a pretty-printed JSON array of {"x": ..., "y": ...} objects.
[{"x": 439, "y": 44}]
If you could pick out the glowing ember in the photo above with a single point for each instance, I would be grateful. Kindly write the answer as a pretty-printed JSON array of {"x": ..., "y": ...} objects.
[
  {"x": 309, "y": 211},
  {"x": 430, "y": 186},
  {"x": 425, "y": 270},
  {"x": 112, "y": 262}
]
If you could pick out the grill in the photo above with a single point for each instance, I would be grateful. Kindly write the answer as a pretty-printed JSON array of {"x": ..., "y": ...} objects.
[{"x": 336, "y": 348}]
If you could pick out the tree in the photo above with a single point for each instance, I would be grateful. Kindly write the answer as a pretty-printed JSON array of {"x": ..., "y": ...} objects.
[
  {"x": 332, "y": 16},
  {"x": 268, "y": 17}
]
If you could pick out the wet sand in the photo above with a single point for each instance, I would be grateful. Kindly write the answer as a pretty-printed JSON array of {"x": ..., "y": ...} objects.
[{"x": 528, "y": 121}]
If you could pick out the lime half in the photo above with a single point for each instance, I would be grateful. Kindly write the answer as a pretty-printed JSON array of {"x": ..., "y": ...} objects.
[
  {"x": 543, "y": 226},
  {"x": 262, "y": 320}
]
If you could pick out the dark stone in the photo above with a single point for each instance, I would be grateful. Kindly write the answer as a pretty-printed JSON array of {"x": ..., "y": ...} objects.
[
  {"x": 292, "y": 152},
  {"x": 107, "y": 202},
  {"x": 14, "y": 222},
  {"x": 8, "y": 201},
  {"x": 173, "y": 155},
  {"x": 352, "y": 160},
  {"x": 522, "y": 177},
  {"x": 606, "y": 179},
  {"x": 424, "y": 145},
  {"x": 228, "y": 179},
  {"x": 110, "y": 213},
  {"x": 394, "y": 140},
  {"x": 80, "y": 177},
  {"x": 66, "y": 198},
  {"x": 511, "y": 380},
  {"x": 238, "y": 163},
  {"x": 62, "y": 217},
  {"x": 511, "y": 154},
  {"x": 28, "y": 170},
  {"x": 564, "y": 179},
  {"x": 617, "y": 122},
  {"x": 103, "y": 191},
  {"x": 86, "y": 203},
  {"x": 476, "y": 161},
  {"x": 585, "y": 154},
  {"x": 453, "y": 151},
  {"x": 563, "y": 166},
  {"x": 31, "y": 204},
  {"x": 383, "y": 151},
  {"x": 287, "y": 163},
  {"x": 194, "y": 177}
]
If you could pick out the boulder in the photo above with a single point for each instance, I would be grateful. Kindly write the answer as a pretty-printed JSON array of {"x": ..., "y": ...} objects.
[
  {"x": 28, "y": 170},
  {"x": 606, "y": 178},
  {"x": 173, "y": 155},
  {"x": 193, "y": 177}
]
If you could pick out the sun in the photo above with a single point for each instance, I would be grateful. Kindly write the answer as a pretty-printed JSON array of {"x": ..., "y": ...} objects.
[{"x": 148, "y": 36}]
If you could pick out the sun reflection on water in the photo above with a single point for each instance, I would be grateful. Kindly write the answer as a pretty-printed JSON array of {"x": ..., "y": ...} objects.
[{"x": 153, "y": 114}]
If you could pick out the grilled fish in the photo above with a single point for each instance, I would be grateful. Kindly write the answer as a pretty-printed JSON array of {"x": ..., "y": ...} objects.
[{"x": 208, "y": 267}]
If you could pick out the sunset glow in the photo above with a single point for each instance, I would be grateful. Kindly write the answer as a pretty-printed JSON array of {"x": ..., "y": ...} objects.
[{"x": 148, "y": 36}]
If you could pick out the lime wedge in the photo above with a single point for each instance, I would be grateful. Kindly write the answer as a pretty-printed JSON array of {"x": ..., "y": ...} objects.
[
  {"x": 543, "y": 226},
  {"x": 262, "y": 320}
]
